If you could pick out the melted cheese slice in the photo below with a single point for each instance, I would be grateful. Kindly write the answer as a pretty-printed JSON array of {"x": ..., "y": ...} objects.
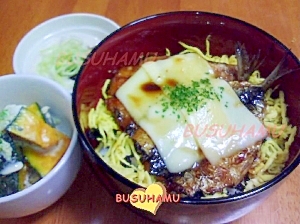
[
  {"x": 181, "y": 69},
  {"x": 223, "y": 128},
  {"x": 219, "y": 129},
  {"x": 134, "y": 97},
  {"x": 143, "y": 100},
  {"x": 166, "y": 129}
]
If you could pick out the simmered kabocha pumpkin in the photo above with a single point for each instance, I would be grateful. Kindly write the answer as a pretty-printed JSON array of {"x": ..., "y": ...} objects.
[
  {"x": 30, "y": 146},
  {"x": 42, "y": 144},
  {"x": 30, "y": 128}
]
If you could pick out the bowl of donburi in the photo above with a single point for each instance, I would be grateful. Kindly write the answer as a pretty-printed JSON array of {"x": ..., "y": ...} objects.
[{"x": 189, "y": 101}]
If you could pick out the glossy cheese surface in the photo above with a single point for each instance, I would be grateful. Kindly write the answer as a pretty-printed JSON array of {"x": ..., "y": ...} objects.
[
  {"x": 167, "y": 132},
  {"x": 223, "y": 128}
]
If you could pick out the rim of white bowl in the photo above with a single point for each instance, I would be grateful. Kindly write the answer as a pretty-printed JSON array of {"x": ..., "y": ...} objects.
[
  {"x": 16, "y": 66},
  {"x": 67, "y": 154}
]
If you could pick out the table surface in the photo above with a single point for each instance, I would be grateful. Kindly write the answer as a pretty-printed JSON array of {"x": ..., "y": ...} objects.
[{"x": 87, "y": 201}]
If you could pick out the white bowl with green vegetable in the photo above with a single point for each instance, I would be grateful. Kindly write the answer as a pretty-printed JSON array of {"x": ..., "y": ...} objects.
[
  {"x": 57, "y": 47},
  {"x": 39, "y": 152}
]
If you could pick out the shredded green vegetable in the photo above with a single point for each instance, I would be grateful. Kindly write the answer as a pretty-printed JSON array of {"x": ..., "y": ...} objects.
[{"x": 62, "y": 61}]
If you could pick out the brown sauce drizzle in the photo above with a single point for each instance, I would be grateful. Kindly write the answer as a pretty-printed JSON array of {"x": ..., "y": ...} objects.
[
  {"x": 150, "y": 87},
  {"x": 171, "y": 82}
]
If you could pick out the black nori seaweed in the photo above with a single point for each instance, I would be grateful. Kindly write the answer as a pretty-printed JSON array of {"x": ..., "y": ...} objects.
[
  {"x": 16, "y": 153},
  {"x": 92, "y": 135},
  {"x": 9, "y": 184},
  {"x": 157, "y": 165}
]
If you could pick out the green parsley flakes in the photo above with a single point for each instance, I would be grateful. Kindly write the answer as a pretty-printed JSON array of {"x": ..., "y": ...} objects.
[{"x": 192, "y": 97}]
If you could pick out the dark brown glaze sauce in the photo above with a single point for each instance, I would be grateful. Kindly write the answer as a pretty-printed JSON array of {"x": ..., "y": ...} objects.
[{"x": 150, "y": 87}]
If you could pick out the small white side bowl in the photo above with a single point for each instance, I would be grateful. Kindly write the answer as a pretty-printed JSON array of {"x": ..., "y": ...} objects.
[
  {"x": 89, "y": 28},
  {"x": 23, "y": 89}
]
